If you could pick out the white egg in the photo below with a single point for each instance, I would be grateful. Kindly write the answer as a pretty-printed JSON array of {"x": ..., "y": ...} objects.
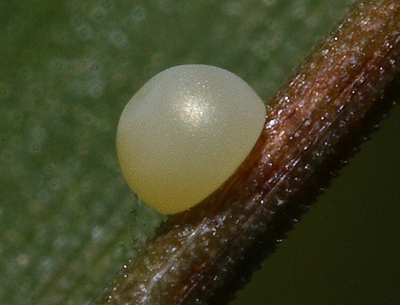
[{"x": 185, "y": 132}]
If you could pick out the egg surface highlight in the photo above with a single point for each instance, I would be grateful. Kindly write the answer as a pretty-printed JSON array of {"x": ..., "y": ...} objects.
[{"x": 185, "y": 132}]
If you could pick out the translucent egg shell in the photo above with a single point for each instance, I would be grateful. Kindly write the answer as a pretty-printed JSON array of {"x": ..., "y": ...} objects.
[{"x": 185, "y": 132}]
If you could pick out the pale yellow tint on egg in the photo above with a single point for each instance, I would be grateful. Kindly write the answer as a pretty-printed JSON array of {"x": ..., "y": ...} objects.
[{"x": 185, "y": 132}]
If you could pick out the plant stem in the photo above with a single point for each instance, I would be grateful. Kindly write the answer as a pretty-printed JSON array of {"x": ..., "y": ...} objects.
[{"x": 204, "y": 255}]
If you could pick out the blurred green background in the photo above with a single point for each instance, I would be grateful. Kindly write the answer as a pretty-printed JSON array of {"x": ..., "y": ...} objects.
[{"x": 68, "y": 221}]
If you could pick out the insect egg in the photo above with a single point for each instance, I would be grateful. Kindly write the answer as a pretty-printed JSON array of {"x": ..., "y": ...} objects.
[{"x": 185, "y": 132}]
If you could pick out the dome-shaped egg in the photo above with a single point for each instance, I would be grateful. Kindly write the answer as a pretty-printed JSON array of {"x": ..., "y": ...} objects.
[{"x": 185, "y": 132}]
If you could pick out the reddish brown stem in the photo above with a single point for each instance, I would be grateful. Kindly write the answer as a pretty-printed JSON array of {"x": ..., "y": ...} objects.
[{"x": 316, "y": 122}]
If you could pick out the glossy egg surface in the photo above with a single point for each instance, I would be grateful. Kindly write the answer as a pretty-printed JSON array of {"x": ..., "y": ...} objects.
[{"x": 185, "y": 132}]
